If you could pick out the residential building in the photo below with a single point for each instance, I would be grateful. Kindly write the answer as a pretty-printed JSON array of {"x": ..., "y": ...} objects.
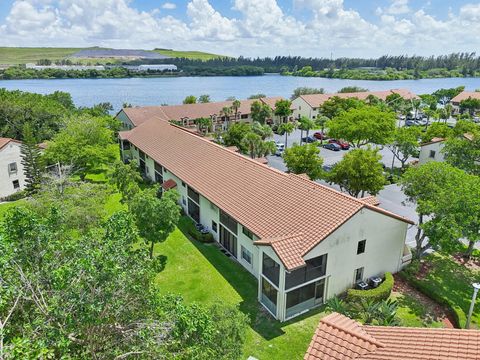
[
  {"x": 186, "y": 114},
  {"x": 308, "y": 105},
  {"x": 339, "y": 337},
  {"x": 304, "y": 242},
  {"x": 433, "y": 150},
  {"x": 65, "y": 67},
  {"x": 12, "y": 177},
  {"x": 464, "y": 95}
]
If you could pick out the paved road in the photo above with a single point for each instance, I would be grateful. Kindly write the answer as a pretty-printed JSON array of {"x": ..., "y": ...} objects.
[{"x": 391, "y": 197}]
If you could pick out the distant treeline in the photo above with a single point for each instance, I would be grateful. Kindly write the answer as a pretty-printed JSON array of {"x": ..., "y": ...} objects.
[
  {"x": 468, "y": 61},
  {"x": 19, "y": 72}
]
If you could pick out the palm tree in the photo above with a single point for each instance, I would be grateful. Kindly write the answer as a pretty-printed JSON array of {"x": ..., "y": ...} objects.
[
  {"x": 227, "y": 112},
  {"x": 266, "y": 148},
  {"x": 264, "y": 131},
  {"x": 252, "y": 141},
  {"x": 448, "y": 109},
  {"x": 322, "y": 121},
  {"x": 287, "y": 129},
  {"x": 235, "y": 106},
  {"x": 204, "y": 124}
]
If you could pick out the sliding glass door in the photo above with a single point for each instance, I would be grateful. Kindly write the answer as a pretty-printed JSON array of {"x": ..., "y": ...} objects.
[{"x": 228, "y": 240}]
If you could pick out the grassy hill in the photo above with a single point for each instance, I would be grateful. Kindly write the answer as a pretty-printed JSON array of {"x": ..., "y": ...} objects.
[
  {"x": 188, "y": 54},
  {"x": 20, "y": 55}
]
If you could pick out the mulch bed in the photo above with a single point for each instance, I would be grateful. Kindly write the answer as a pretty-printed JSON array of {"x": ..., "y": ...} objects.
[
  {"x": 473, "y": 263},
  {"x": 439, "y": 312}
]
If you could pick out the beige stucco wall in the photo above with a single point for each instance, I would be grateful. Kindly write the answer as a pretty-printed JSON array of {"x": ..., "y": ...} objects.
[
  {"x": 383, "y": 252},
  {"x": 302, "y": 108},
  {"x": 425, "y": 152},
  {"x": 8, "y": 154}
]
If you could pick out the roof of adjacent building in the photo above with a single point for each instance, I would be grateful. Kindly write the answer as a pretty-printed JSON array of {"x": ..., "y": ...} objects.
[
  {"x": 338, "y": 337},
  {"x": 281, "y": 209},
  {"x": 464, "y": 95},
  {"x": 138, "y": 115},
  {"x": 434, "y": 140},
  {"x": 5, "y": 141},
  {"x": 315, "y": 100}
]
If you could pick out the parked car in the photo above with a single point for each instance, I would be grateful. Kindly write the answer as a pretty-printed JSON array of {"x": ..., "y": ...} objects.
[
  {"x": 411, "y": 123},
  {"x": 422, "y": 122},
  {"x": 332, "y": 146},
  {"x": 280, "y": 149},
  {"x": 343, "y": 144},
  {"x": 319, "y": 135},
  {"x": 309, "y": 139}
]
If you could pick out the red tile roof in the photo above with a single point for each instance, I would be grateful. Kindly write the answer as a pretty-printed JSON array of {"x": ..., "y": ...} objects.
[
  {"x": 372, "y": 200},
  {"x": 138, "y": 115},
  {"x": 5, "y": 141},
  {"x": 339, "y": 338},
  {"x": 169, "y": 184},
  {"x": 281, "y": 209},
  {"x": 464, "y": 95},
  {"x": 315, "y": 100}
]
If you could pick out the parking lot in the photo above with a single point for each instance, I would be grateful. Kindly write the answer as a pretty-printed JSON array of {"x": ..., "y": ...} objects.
[{"x": 391, "y": 197}]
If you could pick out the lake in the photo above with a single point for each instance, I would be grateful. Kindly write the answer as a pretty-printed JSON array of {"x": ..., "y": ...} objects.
[{"x": 156, "y": 91}]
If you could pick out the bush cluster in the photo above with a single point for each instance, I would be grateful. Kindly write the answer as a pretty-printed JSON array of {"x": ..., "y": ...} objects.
[
  {"x": 382, "y": 292},
  {"x": 197, "y": 235}
]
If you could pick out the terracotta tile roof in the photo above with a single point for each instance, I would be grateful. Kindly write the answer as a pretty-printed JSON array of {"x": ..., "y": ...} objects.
[
  {"x": 339, "y": 338},
  {"x": 464, "y": 95},
  {"x": 372, "y": 200},
  {"x": 5, "y": 141},
  {"x": 268, "y": 202},
  {"x": 169, "y": 184},
  {"x": 315, "y": 100},
  {"x": 433, "y": 141},
  {"x": 139, "y": 115}
]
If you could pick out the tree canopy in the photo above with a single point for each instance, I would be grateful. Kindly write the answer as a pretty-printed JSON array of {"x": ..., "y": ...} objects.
[
  {"x": 304, "y": 159},
  {"x": 364, "y": 125}
]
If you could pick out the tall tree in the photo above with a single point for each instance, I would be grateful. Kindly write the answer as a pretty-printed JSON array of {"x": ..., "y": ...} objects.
[
  {"x": 365, "y": 125},
  {"x": 463, "y": 152},
  {"x": 307, "y": 124},
  {"x": 470, "y": 105},
  {"x": 287, "y": 129},
  {"x": 204, "y": 124},
  {"x": 264, "y": 131},
  {"x": 227, "y": 113},
  {"x": 283, "y": 109},
  {"x": 260, "y": 112},
  {"x": 155, "y": 218},
  {"x": 304, "y": 159},
  {"x": 126, "y": 177},
  {"x": 87, "y": 143},
  {"x": 252, "y": 142},
  {"x": 352, "y": 89},
  {"x": 306, "y": 91},
  {"x": 235, "y": 106},
  {"x": 436, "y": 130},
  {"x": 336, "y": 105},
  {"x": 31, "y": 160},
  {"x": 359, "y": 172},
  {"x": 405, "y": 144},
  {"x": 321, "y": 121},
  {"x": 190, "y": 99},
  {"x": 204, "y": 99}
]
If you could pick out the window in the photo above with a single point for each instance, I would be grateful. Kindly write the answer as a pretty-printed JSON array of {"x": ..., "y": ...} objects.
[
  {"x": 244, "y": 116},
  {"x": 183, "y": 184},
  {"x": 299, "y": 108},
  {"x": 246, "y": 255},
  {"x": 361, "y": 247},
  {"x": 184, "y": 202},
  {"x": 432, "y": 154},
  {"x": 141, "y": 154},
  {"x": 315, "y": 268},
  {"x": 359, "y": 275},
  {"x": 126, "y": 145},
  {"x": 269, "y": 296},
  {"x": 194, "y": 210},
  {"x": 12, "y": 167},
  {"x": 270, "y": 269},
  {"x": 16, "y": 184},
  {"x": 158, "y": 177},
  {"x": 158, "y": 168},
  {"x": 214, "y": 226},
  {"x": 300, "y": 295},
  {"x": 228, "y": 222},
  {"x": 192, "y": 194},
  {"x": 247, "y": 232}
]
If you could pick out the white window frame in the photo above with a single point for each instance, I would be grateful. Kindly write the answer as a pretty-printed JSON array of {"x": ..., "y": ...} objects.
[
  {"x": 249, "y": 253},
  {"x": 15, "y": 169}
]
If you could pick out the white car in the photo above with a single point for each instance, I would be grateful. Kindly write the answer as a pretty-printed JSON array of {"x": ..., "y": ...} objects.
[{"x": 280, "y": 148}]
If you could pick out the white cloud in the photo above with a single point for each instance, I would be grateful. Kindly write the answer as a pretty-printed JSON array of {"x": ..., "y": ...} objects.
[
  {"x": 258, "y": 27},
  {"x": 169, "y": 6}
]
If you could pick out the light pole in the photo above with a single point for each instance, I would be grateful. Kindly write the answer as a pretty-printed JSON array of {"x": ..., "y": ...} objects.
[{"x": 476, "y": 287}]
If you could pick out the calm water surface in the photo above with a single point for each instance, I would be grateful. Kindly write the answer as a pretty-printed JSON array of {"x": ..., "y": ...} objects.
[{"x": 156, "y": 91}]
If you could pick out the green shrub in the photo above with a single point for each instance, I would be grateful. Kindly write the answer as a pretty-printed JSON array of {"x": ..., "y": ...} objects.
[
  {"x": 15, "y": 196},
  {"x": 197, "y": 235},
  {"x": 382, "y": 292}
]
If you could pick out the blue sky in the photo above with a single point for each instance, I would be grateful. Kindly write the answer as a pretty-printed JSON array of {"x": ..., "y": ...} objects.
[{"x": 248, "y": 27}]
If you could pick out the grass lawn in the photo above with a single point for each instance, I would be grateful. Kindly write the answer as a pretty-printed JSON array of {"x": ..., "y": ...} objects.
[
  {"x": 20, "y": 55},
  {"x": 442, "y": 278},
  {"x": 414, "y": 314},
  {"x": 200, "y": 272}
]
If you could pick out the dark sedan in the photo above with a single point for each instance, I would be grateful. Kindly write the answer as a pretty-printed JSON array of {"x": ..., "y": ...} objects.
[
  {"x": 309, "y": 139},
  {"x": 343, "y": 144},
  {"x": 332, "y": 146}
]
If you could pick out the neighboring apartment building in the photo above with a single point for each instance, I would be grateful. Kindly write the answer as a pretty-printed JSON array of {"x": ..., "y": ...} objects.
[
  {"x": 464, "y": 95},
  {"x": 308, "y": 105},
  {"x": 304, "y": 242},
  {"x": 12, "y": 178},
  {"x": 339, "y": 337},
  {"x": 433, "y": 150},
  {"x": 186, "y": 114}
]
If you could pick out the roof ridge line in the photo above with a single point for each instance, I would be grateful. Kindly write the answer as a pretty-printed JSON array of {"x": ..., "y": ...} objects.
[{"x": 370, "y": 339}]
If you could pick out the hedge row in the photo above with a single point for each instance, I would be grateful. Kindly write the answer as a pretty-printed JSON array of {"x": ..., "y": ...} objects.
[
  {"x": 197, "y": 235},
  {"x": 458, "y": 314},
  {"x": 382, "y": 292}
]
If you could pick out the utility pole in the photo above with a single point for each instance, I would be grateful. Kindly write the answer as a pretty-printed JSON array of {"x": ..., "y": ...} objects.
[{"x": 476, "y": 287}]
